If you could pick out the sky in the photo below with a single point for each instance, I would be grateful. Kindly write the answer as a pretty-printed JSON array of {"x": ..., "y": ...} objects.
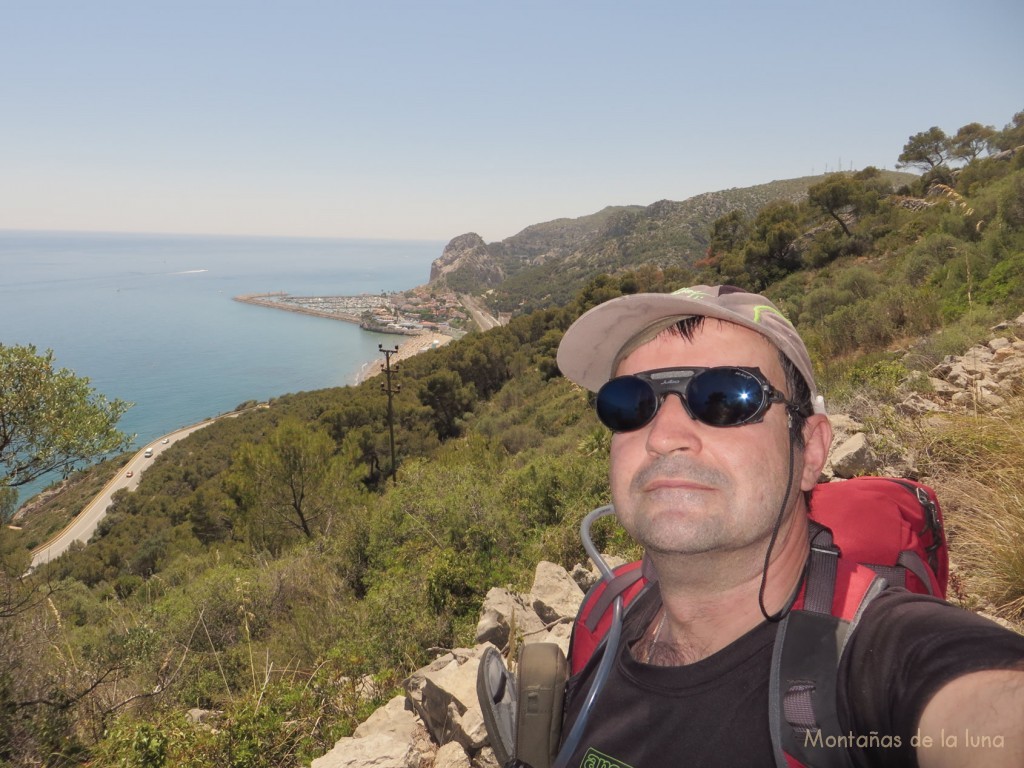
[{"x": 426, "y": 120}]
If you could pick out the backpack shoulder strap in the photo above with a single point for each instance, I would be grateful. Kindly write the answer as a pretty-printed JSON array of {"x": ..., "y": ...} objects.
[
  {"x": 594, "y": 616},
  {"x": 803, "y": 715}
]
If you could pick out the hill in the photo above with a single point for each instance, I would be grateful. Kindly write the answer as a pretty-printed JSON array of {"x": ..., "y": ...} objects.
[{"x": 546, "y": 264}]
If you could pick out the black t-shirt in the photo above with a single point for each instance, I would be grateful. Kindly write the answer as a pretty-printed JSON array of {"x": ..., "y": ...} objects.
[{"x": 715, "y": 712}]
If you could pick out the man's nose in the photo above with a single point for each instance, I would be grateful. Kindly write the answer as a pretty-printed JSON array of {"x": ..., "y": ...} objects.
[{"x": 672, "y": 429}]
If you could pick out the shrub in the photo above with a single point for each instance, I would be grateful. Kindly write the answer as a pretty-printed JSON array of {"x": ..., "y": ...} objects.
[
  {"x": 1011, "y": 203},
  {"x": 976, "y": 463}
]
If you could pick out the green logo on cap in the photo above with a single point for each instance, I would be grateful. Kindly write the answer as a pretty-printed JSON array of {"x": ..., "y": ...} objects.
[
  {"x": 690, "y": 292},
  {"x": 771, "y": 310}
]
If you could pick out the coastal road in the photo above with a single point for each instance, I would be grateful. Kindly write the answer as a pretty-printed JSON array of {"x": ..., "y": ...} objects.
[
  {"x": 483, "y": 319},
  {"x": 86, "y": 521}
]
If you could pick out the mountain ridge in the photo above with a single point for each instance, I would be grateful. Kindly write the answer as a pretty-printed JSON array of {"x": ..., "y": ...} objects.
[{"x": 548, "y": 262}]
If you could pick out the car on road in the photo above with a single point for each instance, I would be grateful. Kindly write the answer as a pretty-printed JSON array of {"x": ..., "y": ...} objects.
[
  {"x": 129, "y": 473},
  {"x": 166, "y": 440},
  {"x": 148, "y": 453}
]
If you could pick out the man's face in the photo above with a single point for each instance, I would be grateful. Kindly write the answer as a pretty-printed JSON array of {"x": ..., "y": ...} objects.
[{"x": 680, "y": 486}]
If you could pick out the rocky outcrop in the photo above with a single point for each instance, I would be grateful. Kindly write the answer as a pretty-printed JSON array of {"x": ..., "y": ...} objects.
[
  {"x": 983, "y": 377},
  {"x": 392, "y": 737},
  {"x": 438, "y": 721},
  {"x": 468, "y": 257},
  {"x": 980, "y": 380}
]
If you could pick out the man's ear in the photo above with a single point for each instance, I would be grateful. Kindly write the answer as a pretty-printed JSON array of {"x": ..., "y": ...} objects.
[{"x": 817, "y": 443}]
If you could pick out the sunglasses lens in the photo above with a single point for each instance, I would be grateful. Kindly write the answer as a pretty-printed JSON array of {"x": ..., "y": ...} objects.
[
  {"x": 626, "y": 403},
  {"x": 725, "y": 397}
]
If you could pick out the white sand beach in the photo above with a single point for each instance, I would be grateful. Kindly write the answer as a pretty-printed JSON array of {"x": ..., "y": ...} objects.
[{"x": 406, "y": 349}]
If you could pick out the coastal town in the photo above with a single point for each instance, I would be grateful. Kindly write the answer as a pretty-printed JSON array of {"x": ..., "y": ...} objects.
[
  {"x": 428, "y": 320},
  {"x": 408, "y": 313}
]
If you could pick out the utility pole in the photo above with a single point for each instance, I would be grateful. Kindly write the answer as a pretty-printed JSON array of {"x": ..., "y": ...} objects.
[{"x": 391, "y": 392}]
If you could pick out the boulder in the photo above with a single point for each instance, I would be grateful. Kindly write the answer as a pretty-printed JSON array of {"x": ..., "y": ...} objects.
[
  {"x": 559, "y": 635},
  {"x": 586, "y": 576},
  {"x": 486, "y": 758},
  {"x": 915, "y": 404},
  {"x": 502, "y": 610},
  {"x": 976, "y": 357},
  {"x": 394, "y": 718},
  {"x": 443, "y": 696},
  {"x": 1000, "y": 343},
  {"x": 962, "y": 378},
  {"x": 942, "y": 387},
  {"x": 854, "y": 457},
  {"x": 1011, "y": 369},
  {"x": 378, "y": 750},
  {"x": 451, "y": 755},
  {"x": 555, "y": 595}
]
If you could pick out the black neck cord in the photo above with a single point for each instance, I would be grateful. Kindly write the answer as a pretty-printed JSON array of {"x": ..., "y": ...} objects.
[{"x": 771, "y": 545}]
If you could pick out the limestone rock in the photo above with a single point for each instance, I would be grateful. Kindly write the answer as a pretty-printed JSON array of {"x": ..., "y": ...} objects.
[
  {"x": 376, "y": 751},
  {"x": 555, "y": 595},
  {"x": 854, "y": 457},
  {"x": 941, "y": 387},
  {"x": 486, "y": 758},
  {"x": 586, "y": 576},
  {"x": 915, "y": 404},
  {"x": 394, "y": 719},
  {"x": 451, "y": 756},
  {"x": 558, "y": 634},
  {"x": 443, "y": 693},
  {"x": 502, "y": 610},
  {"x": 999, "y": 343},
  {"x": 468, "y": 255}
]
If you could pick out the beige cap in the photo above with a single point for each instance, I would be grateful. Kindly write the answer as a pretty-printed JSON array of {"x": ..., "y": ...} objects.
[{"x": 593, "y": 344}]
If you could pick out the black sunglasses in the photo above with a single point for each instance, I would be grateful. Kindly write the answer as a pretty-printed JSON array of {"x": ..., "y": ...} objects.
[{"x": 725, "y": 396}]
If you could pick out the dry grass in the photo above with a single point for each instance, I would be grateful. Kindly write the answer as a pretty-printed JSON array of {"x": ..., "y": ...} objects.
[{"x": 975, "y": 463}]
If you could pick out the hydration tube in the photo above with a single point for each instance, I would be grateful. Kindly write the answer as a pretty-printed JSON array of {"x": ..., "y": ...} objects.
[{"x": 612, "y": 640}]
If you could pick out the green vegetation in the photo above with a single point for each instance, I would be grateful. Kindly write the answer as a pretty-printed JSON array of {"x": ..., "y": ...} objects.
[
  {"x": 268, "y": 571},
  {"x": 50, "y": 421},
  {"x": 977, "y": 460},
  {"x": 548, "y": 264}
]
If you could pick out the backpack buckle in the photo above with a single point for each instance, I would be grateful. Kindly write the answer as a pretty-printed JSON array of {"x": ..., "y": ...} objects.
[
  {"x": 932, "y": 523},
  {"x": 826, "y": 549}
]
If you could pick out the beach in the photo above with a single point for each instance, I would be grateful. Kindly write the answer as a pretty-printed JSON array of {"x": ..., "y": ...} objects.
[
  {"x": 351, "y": 309},
  {"x": 411, "y": 346}
]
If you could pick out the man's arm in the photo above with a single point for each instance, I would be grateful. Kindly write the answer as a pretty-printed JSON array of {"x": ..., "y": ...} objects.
[{"x": 975, "y": 720}]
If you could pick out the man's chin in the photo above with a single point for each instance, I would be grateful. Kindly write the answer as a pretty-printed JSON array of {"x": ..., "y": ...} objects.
[{"x": 680, "y": 538}]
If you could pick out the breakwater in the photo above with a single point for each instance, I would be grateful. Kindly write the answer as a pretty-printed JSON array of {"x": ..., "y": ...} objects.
[{"x": 368, "y": 311}]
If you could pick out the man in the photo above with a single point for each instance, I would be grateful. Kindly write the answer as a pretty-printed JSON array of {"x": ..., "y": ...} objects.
[{"x": 709, "y": 472}]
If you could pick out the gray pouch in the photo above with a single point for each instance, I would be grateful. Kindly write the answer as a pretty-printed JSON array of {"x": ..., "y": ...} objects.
[{"x": 524, "y": 716}]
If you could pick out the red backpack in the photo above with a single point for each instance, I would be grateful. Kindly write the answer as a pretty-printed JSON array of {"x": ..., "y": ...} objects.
[{"x": 866, "y": 533}]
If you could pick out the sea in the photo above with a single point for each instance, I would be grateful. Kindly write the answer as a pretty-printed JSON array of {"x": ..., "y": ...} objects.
[{"x": 149, "y": 318}]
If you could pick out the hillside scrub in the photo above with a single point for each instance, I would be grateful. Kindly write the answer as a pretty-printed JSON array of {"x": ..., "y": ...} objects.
[{"x": 976, "y": 463}]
